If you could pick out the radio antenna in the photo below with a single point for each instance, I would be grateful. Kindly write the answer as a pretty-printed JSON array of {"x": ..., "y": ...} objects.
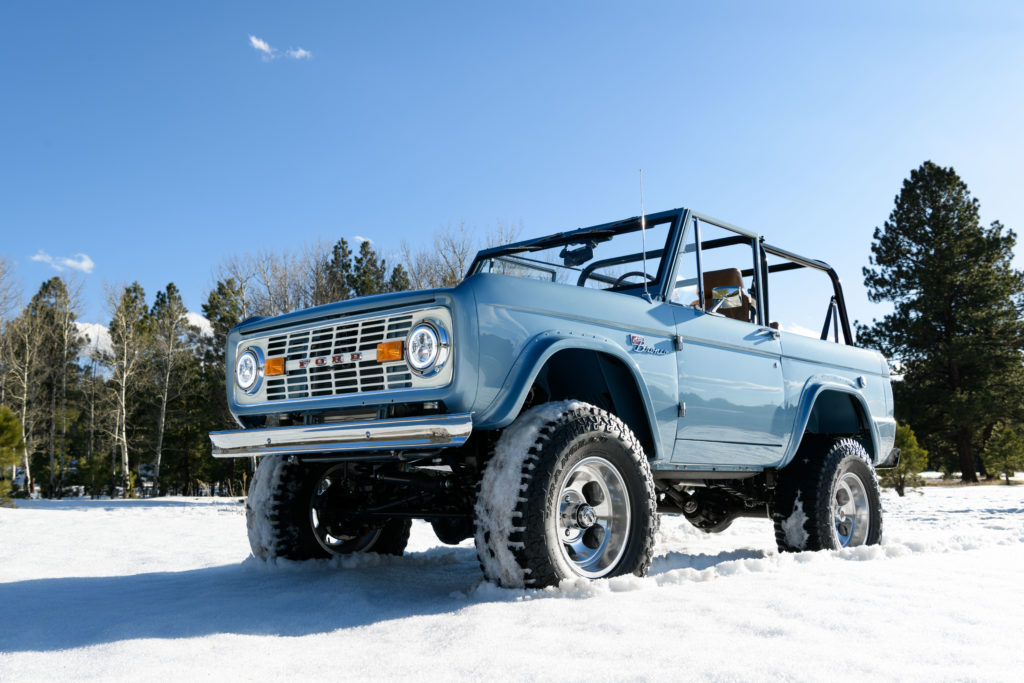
[{"x": 643, "y": 235}]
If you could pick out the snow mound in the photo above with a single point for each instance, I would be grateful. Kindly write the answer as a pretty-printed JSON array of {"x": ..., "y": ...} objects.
[
  {"x": 265, "y": 481},
  {"x": 793, "y": 526}
]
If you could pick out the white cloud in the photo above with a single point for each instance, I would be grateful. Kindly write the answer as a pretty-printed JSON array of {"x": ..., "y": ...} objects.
[
  {"x": 270, "y": 53},
  {"x": 262, "y": 46},
  {"x": 361, "y": 239},
  {"x": 80, "y": 262}
]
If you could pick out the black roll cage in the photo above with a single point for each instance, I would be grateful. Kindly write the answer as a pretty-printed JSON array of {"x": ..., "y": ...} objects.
[{"x": 681, "y": 220}]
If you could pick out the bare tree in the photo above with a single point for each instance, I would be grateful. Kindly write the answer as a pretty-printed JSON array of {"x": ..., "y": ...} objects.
[
  {"x": 127, "y": 307},
  {"x": 237, "y": 268},
  {"x": 169, "y": 329},
  {"x": 445, "y": 262},
  {"x": 10, "y": 295},
  {"x": 10, "y": 292},
  {"x": 280, "y": 286},
  {"x": 21, "y": 361},
  {"x": 315, "y": 264},
  {"x": 502, "y": 233},
  {"x": 272, "y": 282},
  {"x": 92, "y": 391}
]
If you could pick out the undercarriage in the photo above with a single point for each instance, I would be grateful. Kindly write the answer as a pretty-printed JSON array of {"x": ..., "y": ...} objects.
[{"x": 712, "y": 505}]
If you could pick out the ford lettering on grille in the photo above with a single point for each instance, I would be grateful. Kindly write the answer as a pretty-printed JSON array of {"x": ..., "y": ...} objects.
[{"x": 338, "y": 359}]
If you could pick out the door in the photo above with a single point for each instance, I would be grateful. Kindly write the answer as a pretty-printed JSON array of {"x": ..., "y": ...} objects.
[
  {"x": 732, "y": 406},
  {"x": 732, "y": 403}
]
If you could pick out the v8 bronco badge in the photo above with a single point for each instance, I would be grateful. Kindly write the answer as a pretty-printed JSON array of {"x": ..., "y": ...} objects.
[{"x": 639, "y": 345}]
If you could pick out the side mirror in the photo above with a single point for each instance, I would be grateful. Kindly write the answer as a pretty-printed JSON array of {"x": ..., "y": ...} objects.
[{"x": 725, "y": 297}]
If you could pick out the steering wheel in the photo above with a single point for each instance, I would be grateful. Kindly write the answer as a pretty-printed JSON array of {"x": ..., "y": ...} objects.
[{"x": 631, "y": 273}]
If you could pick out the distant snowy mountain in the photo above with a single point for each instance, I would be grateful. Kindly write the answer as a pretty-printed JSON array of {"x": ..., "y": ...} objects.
[
  {"x": 202, "y": 323},
  {"x": 99, "y": 336}
]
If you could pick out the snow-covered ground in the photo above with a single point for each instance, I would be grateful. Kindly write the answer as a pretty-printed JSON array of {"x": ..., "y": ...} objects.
[{"x": 164, "y": 589}]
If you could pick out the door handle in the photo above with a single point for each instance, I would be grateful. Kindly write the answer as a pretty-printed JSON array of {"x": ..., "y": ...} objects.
[{"x": 771, "y": 331}]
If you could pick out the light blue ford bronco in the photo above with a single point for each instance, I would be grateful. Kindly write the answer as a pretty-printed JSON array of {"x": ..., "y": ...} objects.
[{"x": 567, "y": 391}]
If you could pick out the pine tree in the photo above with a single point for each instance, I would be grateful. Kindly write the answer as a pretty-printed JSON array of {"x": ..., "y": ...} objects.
[
  {"x": 956, "y": 333},
  {"x": 1004, "y": 451},
  {"x": 10, "y": 448},
  {"x": 54, "y": 309},
  {"x": 399, "y": 280},
  {"x": 339, "y": 273},
  {"x": 913, "y": 460},
  {"x": 369, "y": 272}
]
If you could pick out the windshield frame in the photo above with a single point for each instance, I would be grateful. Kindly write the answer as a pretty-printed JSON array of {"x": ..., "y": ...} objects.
[{"x": 674, "y": 217}]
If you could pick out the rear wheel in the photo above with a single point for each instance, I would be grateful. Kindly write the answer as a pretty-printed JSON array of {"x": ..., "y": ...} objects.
[
  {"x": 338, "y": 531},
  {"x": 568, "y": 493},
  {"x": 828, "y": 498}
]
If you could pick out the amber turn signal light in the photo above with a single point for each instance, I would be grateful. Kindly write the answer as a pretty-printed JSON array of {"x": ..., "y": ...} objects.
[
  {"x": 389, "y": 351},
  {"x": 274, "y": 366}
]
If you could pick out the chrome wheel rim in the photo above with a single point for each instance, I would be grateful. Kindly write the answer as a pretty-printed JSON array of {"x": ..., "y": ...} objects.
[
  {"x": 332, "y": 538},
  {"x": 851, "y": 512},
  {"x": 592, "y": 517}
]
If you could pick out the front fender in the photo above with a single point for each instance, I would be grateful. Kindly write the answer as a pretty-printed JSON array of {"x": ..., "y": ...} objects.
[{"x": 536, "y": 352}]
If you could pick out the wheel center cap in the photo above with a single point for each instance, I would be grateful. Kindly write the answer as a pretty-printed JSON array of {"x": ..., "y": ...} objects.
[{"x": 585, "y": 517}]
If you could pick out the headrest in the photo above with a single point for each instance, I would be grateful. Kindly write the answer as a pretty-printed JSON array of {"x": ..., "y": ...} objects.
[{"x": 727, "y": 277}]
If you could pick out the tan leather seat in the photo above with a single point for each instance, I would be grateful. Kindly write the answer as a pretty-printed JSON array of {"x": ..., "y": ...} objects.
[{"x": 727, "y": 277}]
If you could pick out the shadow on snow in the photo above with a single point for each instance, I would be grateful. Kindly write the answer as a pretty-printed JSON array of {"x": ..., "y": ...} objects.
[{"x": 277, "y": 598}]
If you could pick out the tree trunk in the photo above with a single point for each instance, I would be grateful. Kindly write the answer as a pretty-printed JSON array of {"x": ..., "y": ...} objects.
[
  {"x": 63, "y": 416},
  {"x": 89, "y": 450},
  {"x": 113, "y": 465},
  {"x": 965, "y": 453},
  {"x": 25, "y": 458},
  {"x": 160, "y": 428}
]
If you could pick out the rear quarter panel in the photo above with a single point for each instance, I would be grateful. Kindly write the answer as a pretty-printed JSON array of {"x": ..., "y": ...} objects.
[{"x": 811, "y": 366}]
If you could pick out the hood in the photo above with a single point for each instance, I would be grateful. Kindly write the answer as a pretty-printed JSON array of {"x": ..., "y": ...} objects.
[{"x": 344, "y": 309}]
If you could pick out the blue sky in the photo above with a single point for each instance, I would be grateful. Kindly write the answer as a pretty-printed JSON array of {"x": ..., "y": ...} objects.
[{"x": 156, "y": 138}]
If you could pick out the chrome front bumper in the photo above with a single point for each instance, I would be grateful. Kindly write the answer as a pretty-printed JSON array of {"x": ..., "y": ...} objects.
[{"x": 432, "y": 431}]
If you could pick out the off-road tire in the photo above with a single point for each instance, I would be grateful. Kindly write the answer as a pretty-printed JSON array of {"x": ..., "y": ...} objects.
[
  {"x": 517, "y": 536},
  {"x": 277, "y": 513},
  {"x": 277, "y": 510},
  {"x": 805, "y": 502}
]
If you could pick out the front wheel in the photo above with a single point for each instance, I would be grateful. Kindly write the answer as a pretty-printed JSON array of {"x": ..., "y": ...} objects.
[
  {"x": 568, "y": 493},
  {"x": 303, "y": 511},
  {"x": 828, "y": 498}
]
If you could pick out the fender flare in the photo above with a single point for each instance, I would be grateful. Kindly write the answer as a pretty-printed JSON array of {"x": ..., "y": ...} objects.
[
  {"x": 536, "y": 352},
  {"x": 813, "y": 389}
]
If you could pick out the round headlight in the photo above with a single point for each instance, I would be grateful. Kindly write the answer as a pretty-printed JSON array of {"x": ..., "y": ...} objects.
[
  {"x": 427, "y": 347},
  {"x": 249, "y": 370}
]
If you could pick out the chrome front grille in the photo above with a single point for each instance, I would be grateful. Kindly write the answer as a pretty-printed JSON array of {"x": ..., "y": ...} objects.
[{"x": 346, "y": 339}]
